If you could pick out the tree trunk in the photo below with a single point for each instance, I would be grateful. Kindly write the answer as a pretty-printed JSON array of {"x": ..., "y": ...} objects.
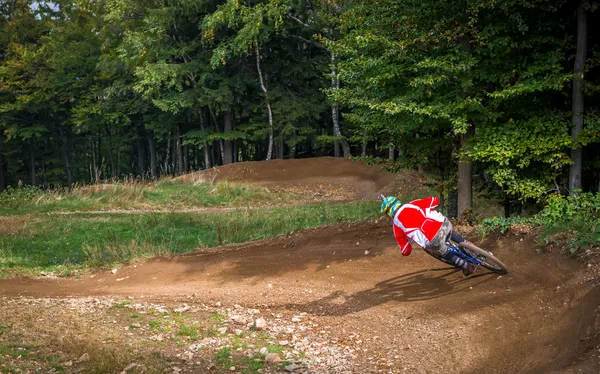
[
  {"x": 178, "y": 150},
  {"x": 452, "y": 204},
  {"x": 264, "y": 88},
  {"x": 228, "y": 144},
  {"x": 206, "y": 151},
  {"x": 363, "y": 152},
  {"x": 281, "y": 147},
  {"x": 213, "y": 154},
  {"x": 32, "y": 160},
  {"x": 294, "y": 146},
  {"x": 506, "y": 205},
  {"x": 141, "y": 155},
  {"x": 205, "y": 148},
  {"x": 98, "y": 171},
  {"x": 293, "y": 151},
  {"x": 578, "y": 96},
  {"x": 186, "y": 159},
  {"x": 2, "y": 178},
  {"x": 118, "y": 162},
  {"x": 335, "y": 110},
  {"x": 67, "y": 149},
  {"x": 222, "y": 147},
  {"x": 110, "y": 155},
  {"x": 244, "y": 152},
  {"x": 94, "y": 165},
  {"x": 465, "y": 167},
  {"x": 44, "y": 179},
  {"x": 465, "y": 174},
  {"x": 152, "y": 149},
  {"x": 168, "y": 154},
  {"x": 419, "y": 167},
  {"x": 442, "y": 184},
  {"x": 68, "y": 164}
]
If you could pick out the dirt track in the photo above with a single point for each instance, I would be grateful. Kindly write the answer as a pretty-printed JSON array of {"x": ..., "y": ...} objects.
[{"x": 417, "y": 314}]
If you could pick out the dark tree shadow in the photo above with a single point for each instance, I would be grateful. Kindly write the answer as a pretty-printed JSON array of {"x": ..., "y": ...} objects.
[{"x": 417, "y": 286}]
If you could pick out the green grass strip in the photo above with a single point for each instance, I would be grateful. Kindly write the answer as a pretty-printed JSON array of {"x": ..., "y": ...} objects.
[
  {"x": 163, "y": 194},
  {"x": 63, "y": 243}
]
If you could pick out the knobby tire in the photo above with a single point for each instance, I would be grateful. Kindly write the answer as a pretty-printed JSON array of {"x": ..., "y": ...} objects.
[{"x": 487, "y": 259}]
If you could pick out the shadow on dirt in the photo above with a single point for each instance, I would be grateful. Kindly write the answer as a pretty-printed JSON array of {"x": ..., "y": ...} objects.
[{"x": 417, "y": 286}]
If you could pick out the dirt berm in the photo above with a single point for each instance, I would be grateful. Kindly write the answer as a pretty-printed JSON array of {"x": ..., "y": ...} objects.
[
  {"x": 338, "y": 178},
  {"x": 414, "y": 313}
]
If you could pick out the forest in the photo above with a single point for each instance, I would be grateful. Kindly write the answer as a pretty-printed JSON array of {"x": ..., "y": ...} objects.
[{"x": 498, "y": 96}]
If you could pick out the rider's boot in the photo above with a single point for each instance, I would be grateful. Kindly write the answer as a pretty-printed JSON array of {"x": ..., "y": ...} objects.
[{"x": 469, "y": 269}]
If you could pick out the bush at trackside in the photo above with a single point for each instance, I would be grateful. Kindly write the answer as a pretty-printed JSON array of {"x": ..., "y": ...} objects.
[{"x": 575, "y": 219}]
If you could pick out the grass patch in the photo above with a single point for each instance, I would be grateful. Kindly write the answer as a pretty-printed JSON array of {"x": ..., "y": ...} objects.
[
  {"x": 190, "y": 331},
  {"x": 276, "y": 349},
  {"x": 253, "y": 364},
  {"x": 122, "y": 305},
  {"x": 64, "y": 243},
  {"x": 217, "y": 317},
  {"x": 156, "y": 326},
  {"x": 14, "y": 350},
  {"x": 239, "y": 342},
  {"x": 167, "y": 193},
  {"x": 223, "y": 358}
]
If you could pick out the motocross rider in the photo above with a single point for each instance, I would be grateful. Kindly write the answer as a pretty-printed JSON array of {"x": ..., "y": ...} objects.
[{"x": 418, "y": 221}]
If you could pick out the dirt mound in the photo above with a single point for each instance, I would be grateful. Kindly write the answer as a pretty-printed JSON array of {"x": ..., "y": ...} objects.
[
  {"x": 329, "y": 177},
  {"x": 351, "y": 278}
]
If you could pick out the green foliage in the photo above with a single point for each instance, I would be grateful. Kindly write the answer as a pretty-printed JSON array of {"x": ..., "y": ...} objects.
[
  {"x": 572, "y": 222},
  {"x": 502, "y": 225},
  {"x": 432, "y": 70},
  {"x": 13, "y": 198},
  {"x": 577, "y": 217},
  {"x": 583, "y": 207},
  {"x": 525, "y": 156}
]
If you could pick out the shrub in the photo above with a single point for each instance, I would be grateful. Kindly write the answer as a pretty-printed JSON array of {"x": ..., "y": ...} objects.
[
  {"x": 578, "y": 217},
  {"x": 14, "y": 197}
]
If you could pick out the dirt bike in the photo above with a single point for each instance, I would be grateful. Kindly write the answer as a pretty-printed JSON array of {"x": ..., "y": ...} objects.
[{"x": 473, "y": 255}]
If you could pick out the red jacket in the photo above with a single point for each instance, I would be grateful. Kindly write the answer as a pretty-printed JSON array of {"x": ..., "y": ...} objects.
[{"x": 418, "y": 221}]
